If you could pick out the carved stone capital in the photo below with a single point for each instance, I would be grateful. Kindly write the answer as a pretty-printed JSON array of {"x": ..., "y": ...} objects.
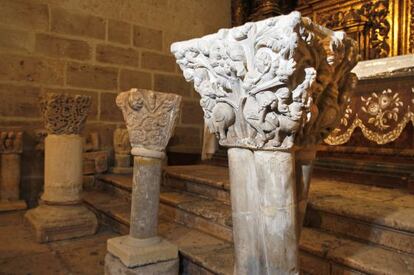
[
  {"x": 150, "y": 117},
  {"x": 121, "y": 142},
  {"x": 64, "y": 114},
  {"x": 271, "y": 85},
  {"x": 11, "y": 142}
]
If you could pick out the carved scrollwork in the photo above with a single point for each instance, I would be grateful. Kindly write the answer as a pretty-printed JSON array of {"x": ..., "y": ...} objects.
[
  {"x": 272, "y": 84},
  {"x": 372, "y": 17},
  {"x": 64, "y": 114},
  {"x": 150, "y": 117},
  {"x": 382, "y": 118}
]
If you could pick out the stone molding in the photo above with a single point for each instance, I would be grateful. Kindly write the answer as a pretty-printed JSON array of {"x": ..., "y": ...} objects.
[
  {"x": 64, "y": 114},
  {"x": 150, "y": 117},
  {"x": 271, "y": 85},
  {"x": 11, "y": 142}
]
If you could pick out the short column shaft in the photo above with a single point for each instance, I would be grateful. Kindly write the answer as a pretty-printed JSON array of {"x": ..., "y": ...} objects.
[
  {"x": 10, "y": 176},
  {"x": 63, "y": 169},
  {"x": 145, "y": 197}
]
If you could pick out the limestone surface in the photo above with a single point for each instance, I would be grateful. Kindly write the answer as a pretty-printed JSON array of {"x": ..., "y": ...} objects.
[
  {"x": 52, "y": 223},
  {"x": 272, "y": 84},
  {"x": 64, "y": 113},
  {"x": 150, "y": 117},
  {"x": 114, "y": 266},
  {"x": 278, "y": 85}
]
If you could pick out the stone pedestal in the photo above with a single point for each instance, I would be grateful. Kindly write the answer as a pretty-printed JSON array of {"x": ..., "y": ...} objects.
[
  {"x": 150, "y": 119},
  {"x": 61, "y": 214},
  {"x": 270, "y": 91},
  {"x": 11, "y": 148},
  {"x": 114, "y": 266}
]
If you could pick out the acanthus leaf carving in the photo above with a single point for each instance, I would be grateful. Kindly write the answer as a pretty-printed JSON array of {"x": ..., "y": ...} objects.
[
  {"x": 150, "y": 117},
  {"x": 273, "y": 84}
]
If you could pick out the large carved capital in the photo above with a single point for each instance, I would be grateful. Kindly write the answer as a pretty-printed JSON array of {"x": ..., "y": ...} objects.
[
  {"x": 64, "y": 114},
  {"x": 273, "y": 84},
  {"x": 11, "y": 142},
  {"x": 150, "y": 117}
]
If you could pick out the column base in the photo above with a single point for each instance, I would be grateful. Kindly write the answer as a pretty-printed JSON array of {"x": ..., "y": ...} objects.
[
  {"x": 113, "y": 266},
  {"x": 134, "y": 252},
  {"x": 121, "y": 170},
  {"x": 11, "y": 205},
  {"x": 53, "y": 223}
]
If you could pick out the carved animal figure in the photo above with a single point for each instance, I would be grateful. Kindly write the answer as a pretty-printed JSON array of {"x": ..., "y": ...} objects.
[{"x": 223, "y": 117}]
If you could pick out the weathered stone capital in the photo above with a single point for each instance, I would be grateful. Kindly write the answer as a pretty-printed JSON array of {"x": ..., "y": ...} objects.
[
  {"x": 121, "y": 142},
  {"x": 150, "y": 117},
  {"x": 64, "y": 114},
  {"x": 271, "y": 85},
  {"x": 11, "y": 142}
]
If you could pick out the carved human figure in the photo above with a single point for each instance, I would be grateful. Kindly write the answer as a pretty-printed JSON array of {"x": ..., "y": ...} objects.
[
  {"x": 271, "y": 91},
  {"x": 122, "y": 149},
  {"x": 150, "y": 119}
]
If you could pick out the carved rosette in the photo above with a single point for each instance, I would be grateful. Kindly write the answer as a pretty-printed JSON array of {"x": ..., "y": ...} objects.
[
  {"x": 271, "y": 85},
  {"x": 150, "y": 117},
  {"x": 64, "y": 114},
  {"x": 381, "y": 116},
  {"x": 11, "y": 142}
]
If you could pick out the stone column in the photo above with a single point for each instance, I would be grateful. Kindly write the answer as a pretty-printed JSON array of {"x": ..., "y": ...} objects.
[
  {"x": 270, "y": 91},
  {"x": 11, "y": 148},
  {"x": 60, "y": 214},
  {"x": 122, "y": 149},
  {"x": 150, "y": 118}
]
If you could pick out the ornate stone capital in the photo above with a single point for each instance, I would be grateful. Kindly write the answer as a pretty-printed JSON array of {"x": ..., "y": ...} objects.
[
  {"x": 64, "y": 114},
  {"x": 150, "y": 117},
  {"x": 271, "y": 85},
  {"x": 11, "y": 142}
]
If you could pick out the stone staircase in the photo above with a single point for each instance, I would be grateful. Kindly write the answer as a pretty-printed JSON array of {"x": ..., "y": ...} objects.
[{"x": 349, "y": 228}]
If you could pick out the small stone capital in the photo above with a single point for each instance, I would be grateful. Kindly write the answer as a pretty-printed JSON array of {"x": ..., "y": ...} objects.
[
  {"x": 121, "y": 142},
  {"x": 150, "y": 117},
  {"x": 275, "y": 84},
  {"x": 64, "y": 114},
  {"x": 11, "y": 142}
]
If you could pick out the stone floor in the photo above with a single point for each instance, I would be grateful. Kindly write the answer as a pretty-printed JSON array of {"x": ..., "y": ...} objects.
[{"x": 20, "y": 254}]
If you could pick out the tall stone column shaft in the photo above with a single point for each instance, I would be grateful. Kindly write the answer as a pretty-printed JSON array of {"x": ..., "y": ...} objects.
[
  {"x": 11, "y": 148},
  {"x": 270, "y": 91},
  {"x": 60, "y": 214},
  {"x": 146, "y": 194},
  {"x": 150, "y": 118}
]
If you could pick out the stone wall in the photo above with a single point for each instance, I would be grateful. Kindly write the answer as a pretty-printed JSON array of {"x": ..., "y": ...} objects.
[{"x": 97, "y": 48}]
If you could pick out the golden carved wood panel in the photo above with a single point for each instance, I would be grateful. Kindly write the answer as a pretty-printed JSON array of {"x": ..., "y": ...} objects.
[{"x": 382, "y": 27}]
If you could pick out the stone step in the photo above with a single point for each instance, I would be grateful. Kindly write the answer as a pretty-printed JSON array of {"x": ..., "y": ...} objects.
[
  {"x": 381, "y": 216},
  {"x": 321, "y": 252},
  {"x": 371, "y": 214}
]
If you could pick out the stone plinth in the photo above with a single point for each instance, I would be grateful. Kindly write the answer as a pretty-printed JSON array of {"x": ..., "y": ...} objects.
[
  {"x": 270, "y": 91},
  {"x": 150, "y": 118},
  {"x": 113, "y": 266},
  {"x": 11, "y": 148},
  {"x": 60, "y": 214}
]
